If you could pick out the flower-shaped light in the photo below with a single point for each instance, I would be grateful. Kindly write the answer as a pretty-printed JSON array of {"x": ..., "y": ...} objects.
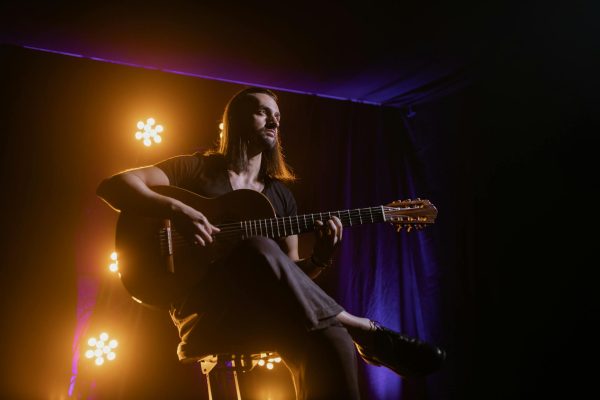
[
  {"x": 149, "y": 132},
  {"x": 101, "y": 348}
]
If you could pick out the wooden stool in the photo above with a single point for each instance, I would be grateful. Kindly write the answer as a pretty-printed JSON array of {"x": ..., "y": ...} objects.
[{"x": 222, "y": 372}]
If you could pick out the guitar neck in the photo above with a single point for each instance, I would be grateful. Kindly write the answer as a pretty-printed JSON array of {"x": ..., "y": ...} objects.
[{"x": 275, "y": 228}]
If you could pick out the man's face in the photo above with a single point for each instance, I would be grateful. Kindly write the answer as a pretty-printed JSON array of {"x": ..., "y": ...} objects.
[{"x": 264, "y": 128}]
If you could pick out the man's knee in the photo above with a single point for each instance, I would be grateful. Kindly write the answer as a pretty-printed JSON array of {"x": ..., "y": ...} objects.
[{"x": 260, "y": 245}]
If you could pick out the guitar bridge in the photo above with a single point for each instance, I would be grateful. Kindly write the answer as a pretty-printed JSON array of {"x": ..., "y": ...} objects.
[{"x": 169, "y": 240}]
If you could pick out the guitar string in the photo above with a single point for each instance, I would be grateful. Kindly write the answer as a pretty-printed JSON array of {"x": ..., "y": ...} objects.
[
  {"x": 234, "y": 230},
  {"x": 347, "y": 213},
  {"x": 237, "y": 231}
]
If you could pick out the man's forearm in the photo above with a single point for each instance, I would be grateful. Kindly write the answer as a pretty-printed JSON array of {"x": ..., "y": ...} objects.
[{"x": 127, "y": 192}]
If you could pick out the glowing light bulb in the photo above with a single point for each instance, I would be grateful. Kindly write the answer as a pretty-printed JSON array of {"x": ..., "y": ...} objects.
[
  {"x": 89, "y": 354},
  {"x": 99, "y": 361},
  {"x": 104, "y": 336},
  {"x": 91, "y": 341},
  {"x": 148, "y": 132},
  {"x": 114, "y": 267},
  {"x": 261, "y": 362},
  {"x": 113, "y": 344},
  {"x": 111, "y": 356},
  {"x": 113, "y": 256},
  {"x": 270, "y": 365}
]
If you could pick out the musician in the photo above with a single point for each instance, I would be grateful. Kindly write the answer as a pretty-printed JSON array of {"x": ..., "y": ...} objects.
[{"x": 261, "y": 294}]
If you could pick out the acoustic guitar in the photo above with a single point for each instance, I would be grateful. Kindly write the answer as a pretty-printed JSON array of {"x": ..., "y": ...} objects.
[{"x": 157, "y": 264}]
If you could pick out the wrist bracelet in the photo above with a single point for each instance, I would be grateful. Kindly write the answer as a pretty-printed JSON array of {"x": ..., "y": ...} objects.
[{"x": 319, "y": 264}]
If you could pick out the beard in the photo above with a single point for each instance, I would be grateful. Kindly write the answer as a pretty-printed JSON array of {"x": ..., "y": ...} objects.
[{"x": 262, "y": 141}]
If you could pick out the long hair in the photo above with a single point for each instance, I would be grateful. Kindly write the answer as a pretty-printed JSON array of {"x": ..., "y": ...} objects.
[{"x": 233, "y": 146}]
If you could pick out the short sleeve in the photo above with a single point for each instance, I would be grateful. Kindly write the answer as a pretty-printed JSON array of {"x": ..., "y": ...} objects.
[{"x": 181, "y": 170}]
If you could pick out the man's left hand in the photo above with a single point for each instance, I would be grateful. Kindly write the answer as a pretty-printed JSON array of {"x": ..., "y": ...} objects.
[{"x": 328, "y": 237}]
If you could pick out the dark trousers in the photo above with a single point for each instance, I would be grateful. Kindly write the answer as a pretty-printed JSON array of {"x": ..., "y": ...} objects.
[{"x": 257, "y": 299}]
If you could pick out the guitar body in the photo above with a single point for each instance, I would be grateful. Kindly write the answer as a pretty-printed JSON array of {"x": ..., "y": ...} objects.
[{"x": 157, "y": 265}]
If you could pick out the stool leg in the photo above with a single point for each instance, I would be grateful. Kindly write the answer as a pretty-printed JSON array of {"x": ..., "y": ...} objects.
[
  {"x": 223, "y": 385},
  {"x": 210, "y": 397},
  {"x": 237, "y": 385}
]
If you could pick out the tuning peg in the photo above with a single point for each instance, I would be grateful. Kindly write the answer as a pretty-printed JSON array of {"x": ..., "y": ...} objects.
[
  {"x": 409, "y": 228},
  {"x": 398, "y": 228}
]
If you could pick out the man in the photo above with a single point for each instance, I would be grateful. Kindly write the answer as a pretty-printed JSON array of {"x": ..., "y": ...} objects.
[{"x": 262, "y": 294}]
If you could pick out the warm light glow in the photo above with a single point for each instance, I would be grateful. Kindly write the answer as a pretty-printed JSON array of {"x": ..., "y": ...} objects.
[
  {"x": 270, "y": 365},
  {"x": 149, "y": 132},
  {"x": 261, "y": 362},
  {"x": 221, "y": 126},
  {"x": 114, "y": 266},
  {"x": 101, "y": 348},
  {"x": 277, "y": 359}
]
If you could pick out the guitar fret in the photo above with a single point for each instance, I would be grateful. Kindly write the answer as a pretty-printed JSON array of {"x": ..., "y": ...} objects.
[
  {"x": 360, "y": 216},
  {"x": 371, "y": 214},
  {"x": 349, "y": 219}
]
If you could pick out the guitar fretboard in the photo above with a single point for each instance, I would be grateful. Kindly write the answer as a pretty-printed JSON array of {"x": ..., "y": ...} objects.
[{"x": 293, "y": 225}]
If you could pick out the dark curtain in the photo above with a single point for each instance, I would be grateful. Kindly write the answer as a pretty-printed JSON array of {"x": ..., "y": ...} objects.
[{"x": 352, "y": 155}]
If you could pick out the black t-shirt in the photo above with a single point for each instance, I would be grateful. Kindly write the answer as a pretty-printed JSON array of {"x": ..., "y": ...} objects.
[{"x": 208, "y": 177}]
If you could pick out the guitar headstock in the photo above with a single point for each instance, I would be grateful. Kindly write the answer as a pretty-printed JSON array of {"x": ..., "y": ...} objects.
[{"x": 412, "y": 214}]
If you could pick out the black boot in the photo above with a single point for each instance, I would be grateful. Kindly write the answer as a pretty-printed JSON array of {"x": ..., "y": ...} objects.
[{"x": 406, "y": 356}]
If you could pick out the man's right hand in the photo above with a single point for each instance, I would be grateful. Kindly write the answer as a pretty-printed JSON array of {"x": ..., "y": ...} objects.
[{"x": 193, "y": 224}]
